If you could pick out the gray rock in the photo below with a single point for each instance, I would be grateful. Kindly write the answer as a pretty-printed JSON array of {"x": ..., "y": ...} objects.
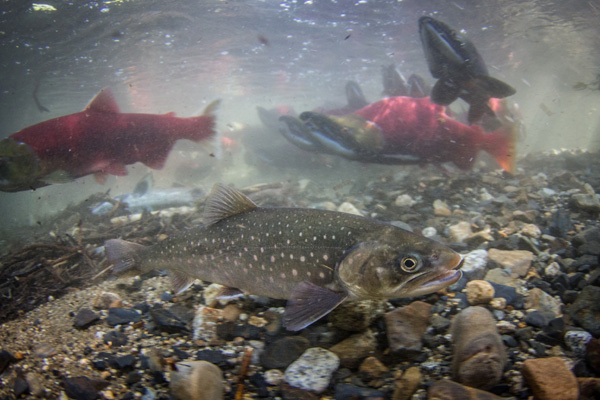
[
  {"x": 516, "y": 261},
  {"x": 585, "y": 311},
  {"x": 84, "y": 318},
  {"x": 474, "y": 264},
  {"x": 356, "y": 348},
  {"x": 585, "y": 202},
  {"x": 356, "y": 316},
  {"x": 120, "y": 316},
  {"x": 196, "y": 380},
  {"x": 479, "y": 354},
  {"x": 282, "y": 352},
  {"x": 577, "y": 341},
  {"x": 313, "y": 370}
]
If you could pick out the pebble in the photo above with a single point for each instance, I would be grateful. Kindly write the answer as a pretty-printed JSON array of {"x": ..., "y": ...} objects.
[
  {"x": 313, "y": 370},
  {"x": 406, "y": 383},
  {"x": 115, "y": 338},
  {"x": 349, "y": 208},
  {"x": 585, "y": 311},
  {"x": 479, "y": 355},
  {"x": 577, "y": 342},
  {"x": 531, "y": 230},
  {"x": 440, "y": 209},
  {"x": 585, "y": 202},
  {"x": 516, "y": 261},
  {"x": 371, "y": 368},
  {"x": 35, "y": 383},
  {"x": 550, "y": 379},
  {"x": 274, "y": 377},
  {"x": 6, "y": 358},
  {"x": 354, "y": 349},
  {"x": 539, "y": 300},
  {"x": 204, "y": 325},
  {"x": 479, "y": 292},
  {"x": 474, "y": 264},
  {"x": 448, "y": 390},
  {"x": 552, "y": 270},
  {"x": 404, "y": 201},
  {"x": 405, "y": 329},
  {"x": 282, "y": 352},
  {"x": 85, "y": 318},
  {"x": 84, "y": 388},
  {"x": 498, "y": 303},
  {"x": 196, "y": 380},
  {"x": 122, "y": 316},
  {"x": 167, "y": 322},
  {"x": 106, "y": 300},
  {"x": 458, "y": 233},
  {"x": 356, "y": 316}
]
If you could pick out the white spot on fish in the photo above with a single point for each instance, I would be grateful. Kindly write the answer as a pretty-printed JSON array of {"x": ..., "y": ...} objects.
[
  {"x": 302, "y": 258},
  {"x": 300, "y": 234},
  {"x": 291, "y": 256},
  {"x": 282, "y": 275},
  {"x": 325, "y": 257},
  {"x": 272, "y": 259},
  {"x": 255, "y": 257},
  {"x": 262, "y": 249},
  {"x": 295, "y": 272},
  {"x": 321, "y": 274}
]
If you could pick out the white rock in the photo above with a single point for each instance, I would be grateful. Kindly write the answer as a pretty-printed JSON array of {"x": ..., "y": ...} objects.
[
  {"x": 460, "y": 231},
  {"x": 312, "y": 371},
  {"x": 441, "y": 209},
  {"x": 531, "y": 230},
  {"x": 429, "y": 232},
  {"x": 485, "y": 195},
  {"x": 577, "y": 341},
  {"x": 474, "y": 265},
  {"x": 404, "y": 200},
  {"x": 273, "y": 377},
  {"x": 552, "y": 270},
  {"x": 349, "y": 208}
]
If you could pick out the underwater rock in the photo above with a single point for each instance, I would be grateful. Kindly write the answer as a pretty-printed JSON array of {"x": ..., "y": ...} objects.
[
  {"x": 406, "y": 383},
  {"x": 458, "y": 233},
  {"x": 166, "y": 321},
  {"x": 106, "y": 300},
  {"x": 585, "y": 202},
  {"x": 585, "y": 311},
  {"x": 349, "y": 208},
  {"x": 356, "y": 316},
  {"x": 474, "y": 264},
  {"x": 351, "y": 351},
  {"x": 344, "y": 391},
  {"x": 5, "y": 359},
  {"x": 289, "y": 392},
  {"x": 115, "y": 338},
  {"x": 479, "y": 354},
  {"x": 313, "y": 370},
  {"x": 406, "y": 327},
  {"x": 404, "y": 201},
  {"x": 516, "y": 261},
  {"x": 479, "y": 292},
  {"x": 84, "y": 318},
  {"x": 84, "y": 388},
  {"x": 440, "y": 209},
  {"x": 578, "y": 341},
  {"x": 282, "y": 352},
  {"x": 448, "y": 390},
  {"x": 196, "y": 380},
  {"x": 371, "y": 368},
  {"x": 550, "y": 379},
  {"x": 121, "y": 316},
  {"x": 592, "y": 354}
]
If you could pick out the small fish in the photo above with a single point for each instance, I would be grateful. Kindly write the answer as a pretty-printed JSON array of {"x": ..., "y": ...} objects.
[
  {"x": 314, "y": 258},
  {"x": 453, "y": 59},
  {"x": 147, "y": 198},
  {"x": 401, "y": 130},
  {"x": 99, "y": 140}
]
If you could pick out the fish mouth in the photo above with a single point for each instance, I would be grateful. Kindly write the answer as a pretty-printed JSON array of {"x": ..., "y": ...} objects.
[{"x": 445, "y": 275}]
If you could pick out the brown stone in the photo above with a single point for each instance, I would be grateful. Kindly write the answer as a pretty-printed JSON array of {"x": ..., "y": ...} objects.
[
  {"x": 479, "y": 354},
  {"x": 448, "y": 390},
  {"x": 406, "y": 384},
  {"x": 479, "y": 292},
  {"x": 371, "y": 368},
  {"x": 516, "y": 261},
  {"x": 589, "y": 388},
  {"x": 406, "y": 327},
  {"x": 354, "y": 349},
  {"x": 550, "y": 379}
]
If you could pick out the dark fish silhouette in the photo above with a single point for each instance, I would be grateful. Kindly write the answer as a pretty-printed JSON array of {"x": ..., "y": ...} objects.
[
  {"x": 460, "y": 70},
  {"x": 316, "y": 259},
  {"x": 395, "y": 85}
]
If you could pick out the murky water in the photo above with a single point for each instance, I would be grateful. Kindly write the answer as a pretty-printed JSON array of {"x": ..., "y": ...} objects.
[{"x": 162, "y": 56}]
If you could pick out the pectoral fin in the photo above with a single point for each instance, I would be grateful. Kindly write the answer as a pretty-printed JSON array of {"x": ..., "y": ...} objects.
[
  {"x": 308, "y": 303},
  {"x": 180, "y": 281}
]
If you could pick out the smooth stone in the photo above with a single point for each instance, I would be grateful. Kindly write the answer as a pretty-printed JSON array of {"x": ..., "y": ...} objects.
[
  {"x": 106, "y": 300},
  {"x": 167, "y": 322},
  {"x": 356, "y": 316},
  {"x": 196, "y": 380},
  {"x": 115, "y": 338},
  {"x": 547, "y": 305},
  {"x": 585, "y": 202},
  {"x": 440, "y": 209},
  {"x": 458, "y": 233},
  {"x": 585, "y": 311},
  {"x": 500, "y": 276},
  {"x": 531, "y": 230},
  {"x": 351, "y": 351},
  {"x": 404, "y": 200},
  {"x": 5, "y": 359},
  {"x": 550, "y": 379},
  {"x": 274, "y": 377},
  {"x": 474, "y": 264},
  {"x": 479, "y": 292},
  {"x": 406, "y": 383},
  {"x": 577, "y": 342},
  {"x": 282, "y": 352},
  {"x": 121, "y": 316},
  {"x": 448, "y": 390},
  {"x": 84, "y": 388},
  {"x": 84, "y": 318},
  {"x": 313, "y": 370},
  {"x": 509, "y": 293},
  {"x": 35, "y": 384},
  {"x": 536, "y": 319},
  {"x": 516, "y": 261},
  {"x": 479, "y": 355},
  {"x": 585, "y": 236},
  {"x": 349, "y": 208},
  {"x": 552, "y": 270},
  {"x": 405, "y": 329},
  {"x": 589, "y": 388},
  {"x": 371, "y": 368}
]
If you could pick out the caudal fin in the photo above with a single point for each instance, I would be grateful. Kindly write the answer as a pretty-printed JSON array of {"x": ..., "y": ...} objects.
[
  {"x": 501, "y": 144},
  {"x": 122, "y": 254}
]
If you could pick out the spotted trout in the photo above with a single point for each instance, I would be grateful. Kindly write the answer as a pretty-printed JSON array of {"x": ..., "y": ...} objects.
[{"x": 315, "y": 259}]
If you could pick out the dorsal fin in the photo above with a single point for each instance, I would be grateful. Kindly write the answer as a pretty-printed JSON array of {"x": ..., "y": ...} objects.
[
  {"x": 104, "y": 102},
  {"x": 223, "y": 202}
]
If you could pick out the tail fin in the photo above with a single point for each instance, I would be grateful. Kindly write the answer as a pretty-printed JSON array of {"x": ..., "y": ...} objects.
[
  {"x": 204, "y": 126},
  {"x": 122, "y": 254},
  {"x": 501, "y": 144}
]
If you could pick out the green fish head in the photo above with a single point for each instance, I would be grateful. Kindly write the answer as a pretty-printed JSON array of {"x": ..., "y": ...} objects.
[
  {"x": 19, "y": 166},
  {"x": 414, "y": 267}
]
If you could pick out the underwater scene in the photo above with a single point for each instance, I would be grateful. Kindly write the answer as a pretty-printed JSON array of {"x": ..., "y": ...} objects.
[{"x": 300, "y": 199}]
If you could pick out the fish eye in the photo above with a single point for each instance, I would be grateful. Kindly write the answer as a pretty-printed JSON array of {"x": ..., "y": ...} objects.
[{"x": 410, "y": 263}]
